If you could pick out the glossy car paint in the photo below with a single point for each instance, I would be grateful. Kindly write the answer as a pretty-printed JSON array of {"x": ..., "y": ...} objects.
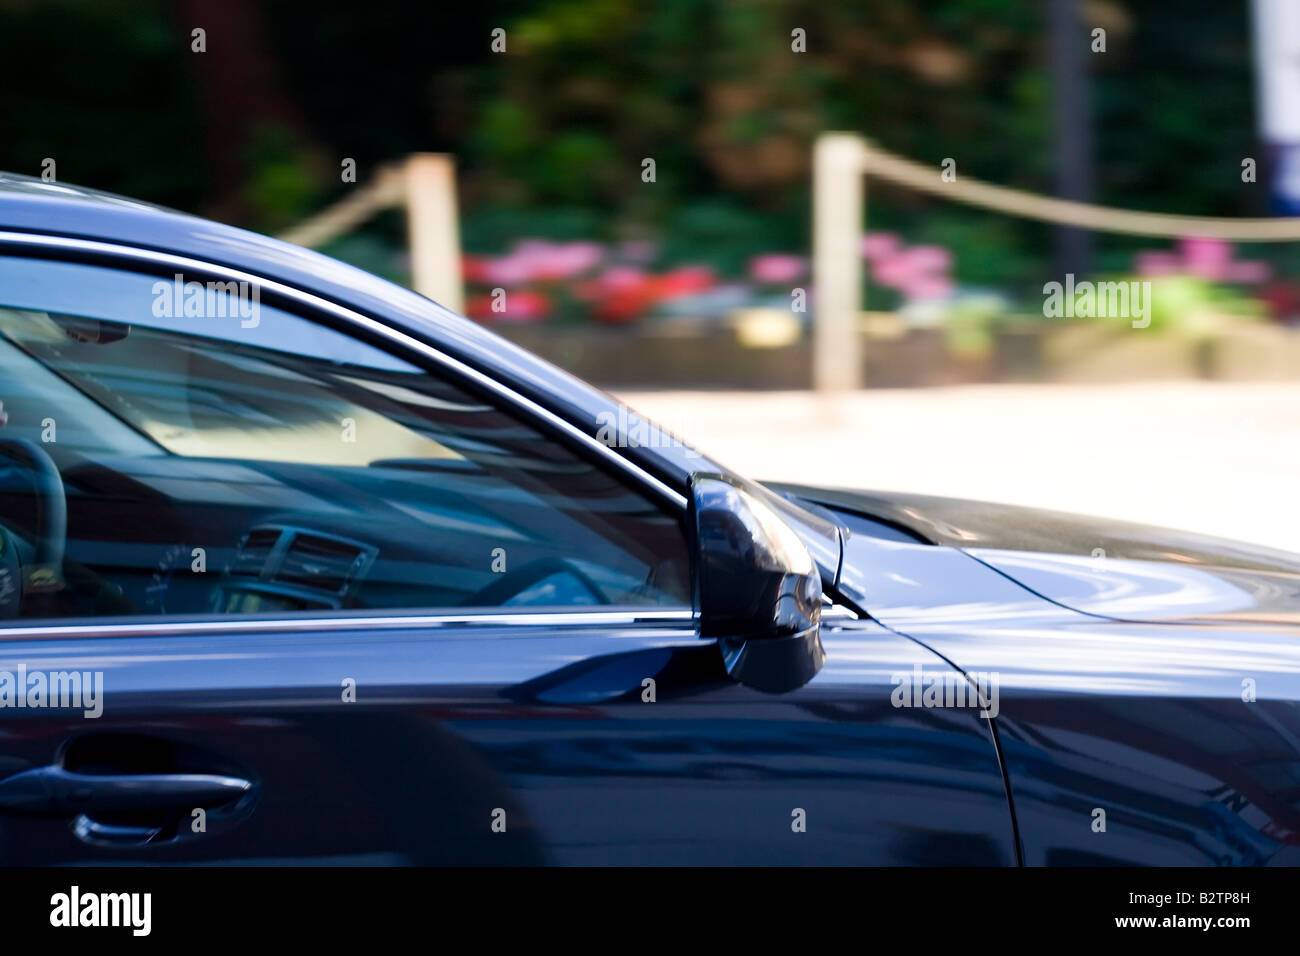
[
  {"x": 545, "y": 725},
  {"x": 549, "y": 726},
  {"x": 1186, "y": 734},
  {"x": 758, "y": 590},
  {"x": 1109, "y": 568}
]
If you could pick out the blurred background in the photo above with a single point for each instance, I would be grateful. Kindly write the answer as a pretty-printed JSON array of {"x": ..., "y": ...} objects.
[{"x": 686, "y": 285}]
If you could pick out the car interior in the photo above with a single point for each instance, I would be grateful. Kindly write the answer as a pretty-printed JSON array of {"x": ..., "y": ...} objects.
[{"x": 180, "y": 473}]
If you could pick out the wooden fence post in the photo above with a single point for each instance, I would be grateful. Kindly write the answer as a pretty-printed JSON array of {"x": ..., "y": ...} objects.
[
  {"x": 432, "y": 228},
  {"x": 838, "y": 196}
]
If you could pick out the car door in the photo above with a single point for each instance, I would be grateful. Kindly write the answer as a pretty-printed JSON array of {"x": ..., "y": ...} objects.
[{"x": 319, "y": 599}]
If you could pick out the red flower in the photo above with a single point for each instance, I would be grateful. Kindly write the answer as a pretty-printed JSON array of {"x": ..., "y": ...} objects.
[
  {"x": 474, "y": 268},
  {"x": 521, "y": 305},
  {"x": 685, "y": 280}
]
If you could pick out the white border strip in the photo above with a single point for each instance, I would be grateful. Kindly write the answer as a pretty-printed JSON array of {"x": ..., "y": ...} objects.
[{"x": 522, "y": 619}]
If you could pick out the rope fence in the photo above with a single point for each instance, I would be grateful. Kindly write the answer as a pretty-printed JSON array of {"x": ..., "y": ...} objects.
[
  {"x": 385, "y": 191},
  {"x": 1063, "y": 212},
  {"x": 425, "y": 185},
  {"x": 841, "y": 161}
]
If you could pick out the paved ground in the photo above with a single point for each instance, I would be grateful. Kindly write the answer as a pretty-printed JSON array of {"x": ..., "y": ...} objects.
[{"x": 1218, "y": 458}]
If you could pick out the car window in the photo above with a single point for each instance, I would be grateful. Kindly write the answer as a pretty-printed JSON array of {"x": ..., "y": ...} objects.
[{"x": 219, "y": 455}]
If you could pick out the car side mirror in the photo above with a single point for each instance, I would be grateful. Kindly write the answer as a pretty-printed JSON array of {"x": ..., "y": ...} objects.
[{"x": 758, "y": 589}]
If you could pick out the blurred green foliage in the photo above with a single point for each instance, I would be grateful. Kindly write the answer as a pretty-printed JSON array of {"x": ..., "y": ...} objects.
[{"x": 551, "y": 135}]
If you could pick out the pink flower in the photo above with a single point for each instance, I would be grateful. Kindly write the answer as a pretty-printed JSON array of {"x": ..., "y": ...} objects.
[
  {"x": 928, "y": 287},
  {"x": 535, "y": 259},
  {"x": 903, "y": 267},
  {"x": 550, "y": 260},
  {"x": 919, "y": 273},
  {"x": 1249, "y": 273},
  {"x": 893, "y": 271},
  {"x": 1207, "y": 258},
  {"x": 777, "y": 268},
  {"x": 506, "y": 271},
  {"x": 622, "y": 277},
  {"x": 1155, "y": 263},
  {"x": 929, "y": 259},
  {"x": 879, "y": 245}
]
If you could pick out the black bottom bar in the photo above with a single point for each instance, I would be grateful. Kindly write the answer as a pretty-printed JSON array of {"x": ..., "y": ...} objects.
[{"x": 255, "y": 905}]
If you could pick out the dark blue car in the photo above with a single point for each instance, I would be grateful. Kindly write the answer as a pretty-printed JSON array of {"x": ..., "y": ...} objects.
[{"x": 298, "y": 567}]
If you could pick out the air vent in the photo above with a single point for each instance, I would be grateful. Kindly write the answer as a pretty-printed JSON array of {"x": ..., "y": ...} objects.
[
  {"x": 323, "y": 564},
  {"x": 254, "y": 551}
]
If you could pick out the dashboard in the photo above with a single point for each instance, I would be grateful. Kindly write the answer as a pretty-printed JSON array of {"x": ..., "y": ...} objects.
[{"x": 166, "y": 534}]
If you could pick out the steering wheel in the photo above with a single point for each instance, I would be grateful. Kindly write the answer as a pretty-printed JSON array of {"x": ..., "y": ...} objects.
[
  {"x": 521, "y": 579},
  {"x": 43, "y": 572}
]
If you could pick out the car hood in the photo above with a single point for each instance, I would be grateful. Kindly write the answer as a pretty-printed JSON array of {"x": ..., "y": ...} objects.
[{"x": 1106, "y": 568}]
